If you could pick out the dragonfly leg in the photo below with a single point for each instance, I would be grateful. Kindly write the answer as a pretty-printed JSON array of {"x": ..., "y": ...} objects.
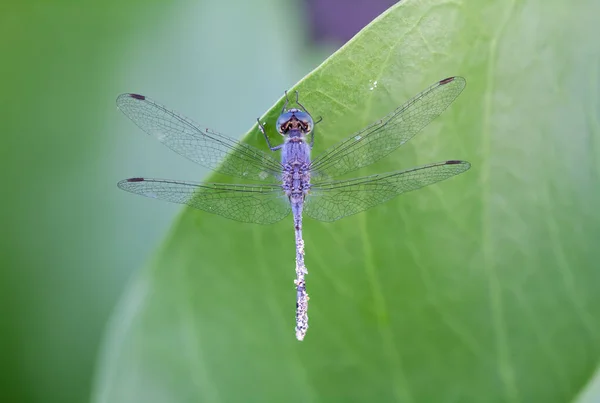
[
  {"x": 304, "y": 109},
  {"x": 264, "y": 132},
  {"x": 312, "y": 134},
  {"x": 286, "y": 102},
  {"x": 299, "y": 104}
]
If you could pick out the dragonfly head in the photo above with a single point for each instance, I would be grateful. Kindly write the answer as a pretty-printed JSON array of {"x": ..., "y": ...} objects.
[{"x": 294, "y": 120}]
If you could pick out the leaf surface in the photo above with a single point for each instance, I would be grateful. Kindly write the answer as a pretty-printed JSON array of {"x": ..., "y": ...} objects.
[{"x": 480, "y": 288}]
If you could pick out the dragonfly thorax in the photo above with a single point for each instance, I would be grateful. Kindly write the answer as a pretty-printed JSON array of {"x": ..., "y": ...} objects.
[{"x": 294, "y": 122}]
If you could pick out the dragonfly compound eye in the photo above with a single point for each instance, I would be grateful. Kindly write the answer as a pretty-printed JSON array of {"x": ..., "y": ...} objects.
[{"x": 296, "y": 120}]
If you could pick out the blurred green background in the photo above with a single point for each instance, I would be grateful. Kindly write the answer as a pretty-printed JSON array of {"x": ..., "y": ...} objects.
[{"x": 72, "y": 243}]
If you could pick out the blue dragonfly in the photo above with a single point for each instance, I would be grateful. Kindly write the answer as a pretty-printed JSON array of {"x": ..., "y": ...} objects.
[{"x": 295, "y": 183}]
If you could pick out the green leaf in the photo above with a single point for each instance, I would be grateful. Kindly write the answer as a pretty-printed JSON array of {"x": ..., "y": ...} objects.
[{"x": 480, "y": 288}]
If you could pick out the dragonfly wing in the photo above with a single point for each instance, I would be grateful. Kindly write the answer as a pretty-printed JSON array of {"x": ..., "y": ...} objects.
[
  {"x": 203, "y": 146},
  {"x": 260, "y": 204},
  {"x": 384, "y": 136},
  {"x": 330, "y": 201}
]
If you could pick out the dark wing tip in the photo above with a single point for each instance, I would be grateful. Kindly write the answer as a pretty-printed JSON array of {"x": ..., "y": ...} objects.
[
  {"x": 465, "y": 165},
  {"x": 123, "y": 184},
  {"x": 126, "y": 95},
  {"x": 446, "y": 80},
  {"x": 449, "y": 80},
  {"x": 122, "y": 99}
]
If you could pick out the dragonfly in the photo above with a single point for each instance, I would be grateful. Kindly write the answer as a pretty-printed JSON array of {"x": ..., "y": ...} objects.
[{"x": 294, "y": 183}]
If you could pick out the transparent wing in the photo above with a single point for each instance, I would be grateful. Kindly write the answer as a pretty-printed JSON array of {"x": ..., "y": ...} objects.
[
  {"x": 200, "y": 145},
  {"x": 331, "y": 201},
  {"x": 384, "y": 136},
  {"x": 260, "y": 204}
]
